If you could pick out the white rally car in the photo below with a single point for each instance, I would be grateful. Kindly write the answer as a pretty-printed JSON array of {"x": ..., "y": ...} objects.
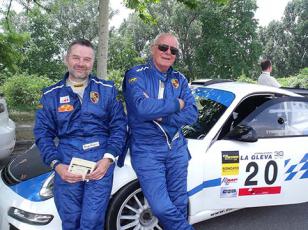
[
  {"x": 7, "y": 130},
  {"x": 248, "y": 148}
]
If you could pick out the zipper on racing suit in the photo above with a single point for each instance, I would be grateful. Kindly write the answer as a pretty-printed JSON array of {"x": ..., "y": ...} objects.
[{"x": 161, "y": 96}]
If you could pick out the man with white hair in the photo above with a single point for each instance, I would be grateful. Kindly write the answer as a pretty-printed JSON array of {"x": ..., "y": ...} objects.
[{"x": 159, "y": 103}]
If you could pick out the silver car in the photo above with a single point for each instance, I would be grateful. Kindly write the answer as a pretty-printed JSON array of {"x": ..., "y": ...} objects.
[{"x": 7, "y": 130}]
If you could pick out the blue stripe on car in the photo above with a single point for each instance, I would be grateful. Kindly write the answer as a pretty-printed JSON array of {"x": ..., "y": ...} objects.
[
  {"x": 30, "y": 189},
  {"x": 220, "y": 96},
  {"x": 205, "y": 184}
]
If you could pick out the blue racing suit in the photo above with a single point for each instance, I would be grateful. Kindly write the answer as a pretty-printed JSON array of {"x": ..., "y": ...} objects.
[
  {"x": 159, "y": 151},
  {"x": 85, "y": 130}
]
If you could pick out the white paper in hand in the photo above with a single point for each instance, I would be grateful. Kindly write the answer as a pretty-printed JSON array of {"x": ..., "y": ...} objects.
[{"x": 81, "y": 167}]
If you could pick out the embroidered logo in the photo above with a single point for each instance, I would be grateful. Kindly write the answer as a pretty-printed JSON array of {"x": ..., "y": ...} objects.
[
  {"x": 175, "y": 83},
  {"x": 94, "y": 96},
  {"x": 65, "y": 108},
  {"x": 132, "y": 80},
  {"x": 65, "y": 99}
]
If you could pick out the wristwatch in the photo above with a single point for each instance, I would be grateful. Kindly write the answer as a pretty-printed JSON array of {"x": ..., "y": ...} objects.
[{"x": 54, "y": 163}]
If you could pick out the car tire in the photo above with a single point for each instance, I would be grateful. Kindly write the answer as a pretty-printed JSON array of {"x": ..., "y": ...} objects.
[{"x": 128, "y": 209}]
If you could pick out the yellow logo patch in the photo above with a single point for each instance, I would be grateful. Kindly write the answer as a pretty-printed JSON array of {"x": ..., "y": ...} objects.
[{"x": 132, "y": 80}]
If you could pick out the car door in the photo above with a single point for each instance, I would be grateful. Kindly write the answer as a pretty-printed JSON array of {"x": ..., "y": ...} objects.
[{"x": 272, "y": 170}]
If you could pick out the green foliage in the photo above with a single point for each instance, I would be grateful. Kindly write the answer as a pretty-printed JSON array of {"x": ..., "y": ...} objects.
[
  {"x": 244, "y": 78},
  {"x": 116, "y": 76},
  {"x": 23, "y": 91},
  {"x": 229, "y": 44},
  {"x": 298, "y": 81},
  {"x": 122, "y": 53},
  {"x": 10, "y": 55},
  {"x": 286, "y": 42},
  {"x": 142, "y": 7}
]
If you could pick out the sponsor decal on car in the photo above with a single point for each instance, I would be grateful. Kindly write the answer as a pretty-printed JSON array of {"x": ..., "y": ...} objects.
[
  {"x": 230, "y": 163},
  {"x": 227, "y": 181},
  {"x": 259, "y": 191},
  {"x": 297, "y": 169},
  {"x": 227, "y": 192}
]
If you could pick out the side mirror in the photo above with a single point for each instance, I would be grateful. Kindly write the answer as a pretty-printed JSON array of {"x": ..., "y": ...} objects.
[{"x": 242, "y": 133}]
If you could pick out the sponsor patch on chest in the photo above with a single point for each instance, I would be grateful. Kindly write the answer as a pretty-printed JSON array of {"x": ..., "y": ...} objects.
[
  {"x": 90, "y": 145},
  {"x": 65, "y": 108},
  {"x": 65, "y": 99}
]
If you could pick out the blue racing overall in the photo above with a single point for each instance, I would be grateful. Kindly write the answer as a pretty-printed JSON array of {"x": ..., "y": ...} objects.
[
  {"x": 85, "y": 130},
  {"x": 159, "y": 151}
]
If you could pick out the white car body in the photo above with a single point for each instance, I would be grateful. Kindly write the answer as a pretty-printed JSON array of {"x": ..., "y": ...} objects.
[
  {"x": 7, "y": 131},
  {"x": 223, "y": 175}
]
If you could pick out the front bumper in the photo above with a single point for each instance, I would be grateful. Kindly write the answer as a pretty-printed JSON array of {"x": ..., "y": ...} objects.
[{"x": 10, "y": 199}]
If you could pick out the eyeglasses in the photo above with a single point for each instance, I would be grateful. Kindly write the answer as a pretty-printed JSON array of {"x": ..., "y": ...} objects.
[{"x": 164, "y": 48}]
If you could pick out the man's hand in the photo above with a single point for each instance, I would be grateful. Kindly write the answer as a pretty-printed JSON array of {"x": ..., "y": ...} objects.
[
  {"x": 67, "y": 176},
  {"x": 100, "y": 170},
  {"x": 182, "y": 103}
]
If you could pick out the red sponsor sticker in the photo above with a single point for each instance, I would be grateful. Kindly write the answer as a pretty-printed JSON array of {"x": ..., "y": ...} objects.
[{"x": 259, "y": 191}]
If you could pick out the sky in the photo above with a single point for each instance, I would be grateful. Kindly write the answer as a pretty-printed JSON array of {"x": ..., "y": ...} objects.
[
  {"x": 267, "y": 11},
  {"x": 270, "y": 10}
]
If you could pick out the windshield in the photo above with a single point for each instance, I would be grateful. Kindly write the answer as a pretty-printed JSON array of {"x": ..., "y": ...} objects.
[{"x": 211, "y": 103}]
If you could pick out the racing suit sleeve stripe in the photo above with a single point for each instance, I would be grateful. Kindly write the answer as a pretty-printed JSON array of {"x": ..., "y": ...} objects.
[
  {"x": 146, "y": 108},
  {"x": 188, "y": 115},
  {"x": 45, "y": 132},
  {"x": 117, "y": 126}
]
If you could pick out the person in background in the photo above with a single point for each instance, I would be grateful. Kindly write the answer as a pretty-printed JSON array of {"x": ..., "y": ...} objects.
[
  {"x": 265, "y": 78},
  {"x": 82, "y": 112},
  {"x": 159, "y": 103}
]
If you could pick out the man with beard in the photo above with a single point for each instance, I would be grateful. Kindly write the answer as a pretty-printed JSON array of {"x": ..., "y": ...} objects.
[{"x": 82, "y": 112}]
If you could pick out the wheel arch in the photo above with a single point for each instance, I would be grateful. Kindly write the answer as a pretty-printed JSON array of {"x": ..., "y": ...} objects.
[{"x": 121, "y": 177}]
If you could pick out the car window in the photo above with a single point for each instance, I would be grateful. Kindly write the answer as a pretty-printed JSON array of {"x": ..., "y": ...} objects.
[
  {"x": 242, "y": 110},
  {"x": 280, "y": 117},
  {"x": 211, "y": 103}
]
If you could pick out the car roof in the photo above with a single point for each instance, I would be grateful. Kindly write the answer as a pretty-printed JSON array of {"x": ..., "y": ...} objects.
[{"x": 242, "y": 89}]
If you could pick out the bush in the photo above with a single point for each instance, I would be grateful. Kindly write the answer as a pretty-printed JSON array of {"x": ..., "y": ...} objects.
[
  {"x": 22, "y": 92},
  {"x": 298, "y": 81}
]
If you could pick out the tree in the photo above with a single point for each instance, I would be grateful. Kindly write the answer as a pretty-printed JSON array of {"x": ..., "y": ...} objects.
[
  {"x": 229, "y": 45},
  {"x": 286, "y": 42},
  {"x": 103, "y": 39}
]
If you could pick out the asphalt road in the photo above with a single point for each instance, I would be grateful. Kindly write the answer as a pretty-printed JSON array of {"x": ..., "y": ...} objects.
[{"x": 286, "y": 217}]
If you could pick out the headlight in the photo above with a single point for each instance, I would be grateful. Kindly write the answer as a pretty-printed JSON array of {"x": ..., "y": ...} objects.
[
  {"x": 46, "y": 190},
  {"x": 29, "y": 218}
]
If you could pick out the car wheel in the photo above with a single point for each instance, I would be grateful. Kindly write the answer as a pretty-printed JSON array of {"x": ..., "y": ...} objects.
[{"x": 129, "y": 210}]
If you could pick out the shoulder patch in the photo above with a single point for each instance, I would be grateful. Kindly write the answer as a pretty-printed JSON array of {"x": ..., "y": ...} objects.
[{"x": 132, "y": 80}]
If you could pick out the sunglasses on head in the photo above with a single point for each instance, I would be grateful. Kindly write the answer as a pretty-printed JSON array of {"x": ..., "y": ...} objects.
[{"x": 164, "y": 48}]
